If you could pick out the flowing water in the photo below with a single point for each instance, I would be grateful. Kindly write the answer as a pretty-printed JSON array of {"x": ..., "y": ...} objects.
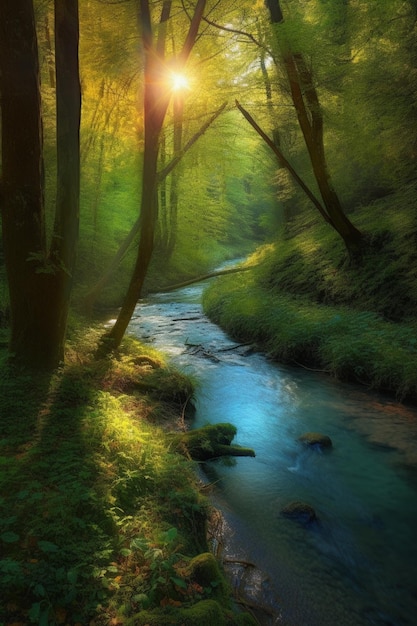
[{"x": 358, "y": 564}]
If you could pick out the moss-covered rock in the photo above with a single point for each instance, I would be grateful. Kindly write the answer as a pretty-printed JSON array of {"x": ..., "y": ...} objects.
[
  {"x": 210, "y": 442},
  {"x": 316, "y": 440},
  {"x": 203, "y": 613},
  {"x": 205, "y": 571}
]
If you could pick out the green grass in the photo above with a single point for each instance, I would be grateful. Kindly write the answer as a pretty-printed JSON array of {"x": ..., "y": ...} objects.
[
  {"x": 305, "y": 305},
  {"x": 99, "y": 518}
]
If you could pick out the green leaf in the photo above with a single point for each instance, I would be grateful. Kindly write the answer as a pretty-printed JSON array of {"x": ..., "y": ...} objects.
[
  {"x": 138, "y": 543},
  {"x": 113, "y": 569},
  {"x": 171, "y": 534},
  {"x": 34, "y": 612},
  {"x": 143, "y": 599},
  {"x": 179, "y": 582},
  {"x": 39, "y": 590},
  {"x": 72, "y": 576},
  {"x": 9, "y": 537},
  {"x": 48, "y": 546}
]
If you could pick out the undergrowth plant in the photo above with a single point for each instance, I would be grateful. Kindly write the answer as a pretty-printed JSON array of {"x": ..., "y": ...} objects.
[{"x": 99, "y": 517}]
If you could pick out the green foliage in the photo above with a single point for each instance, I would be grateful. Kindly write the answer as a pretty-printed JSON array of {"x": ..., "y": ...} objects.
[
  {"x": 304, "y": 305},
  {"x": 204, "y": 612},
  {"x": 99, "y": 517}
]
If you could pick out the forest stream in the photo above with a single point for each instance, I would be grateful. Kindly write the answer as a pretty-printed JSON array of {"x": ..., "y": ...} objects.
[{"x": 357, "y": 565}]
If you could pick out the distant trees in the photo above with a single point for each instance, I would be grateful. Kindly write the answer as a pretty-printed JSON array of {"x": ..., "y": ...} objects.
[{"x": 39, "y": 274}]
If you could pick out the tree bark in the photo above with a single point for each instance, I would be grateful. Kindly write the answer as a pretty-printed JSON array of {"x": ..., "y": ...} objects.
[
  {"x": 68, "y": 114},
  {"x": 309, "y": 114},
  {"x": 23, "y": 205},
  {"x": 38, "y": 282},
  {"x": 285, "y": 163},
  {"x": 156, "y": 100}
]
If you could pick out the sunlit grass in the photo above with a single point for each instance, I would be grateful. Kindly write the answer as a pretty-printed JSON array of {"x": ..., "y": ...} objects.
[
  {"x": 99, "y": 517},
  {"x": 313, "y": 309}
]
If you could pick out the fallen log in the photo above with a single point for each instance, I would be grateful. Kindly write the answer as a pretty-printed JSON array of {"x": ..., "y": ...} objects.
[
  {"x": 197, "y": 279},
  {"x": 209, "y": 442}
]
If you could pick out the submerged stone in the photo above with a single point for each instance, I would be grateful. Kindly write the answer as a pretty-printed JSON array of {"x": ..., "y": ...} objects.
[
  {"x": 316, "y": 440},
  {"x": 300, "y": 512}
]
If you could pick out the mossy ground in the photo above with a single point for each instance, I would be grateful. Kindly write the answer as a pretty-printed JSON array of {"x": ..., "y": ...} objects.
[
  {"x": 305, "y": 305},
  {"x": 99, "y": 517}
]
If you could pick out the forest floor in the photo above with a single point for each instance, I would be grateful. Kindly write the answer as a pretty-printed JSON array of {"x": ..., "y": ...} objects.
[
  {"x": 304, "y": 304},
  {"x": 102, "y": 522}
]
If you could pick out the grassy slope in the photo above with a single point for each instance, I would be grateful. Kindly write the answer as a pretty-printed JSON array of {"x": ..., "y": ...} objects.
[
  {"x": 305, "y": 305},
  {"x": 100, "y": 521}
]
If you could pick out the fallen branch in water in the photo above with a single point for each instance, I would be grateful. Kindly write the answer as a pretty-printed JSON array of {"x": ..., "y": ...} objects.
[
  {"x": 197, "y": 279},
  {"x": 254, "y": 607},
  {"x": 239, "y": 562},
  {"x": 311, "y": 369},
  {"x": 249, "y": 344}
]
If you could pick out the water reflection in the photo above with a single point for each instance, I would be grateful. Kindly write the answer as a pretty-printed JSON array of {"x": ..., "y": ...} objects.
[{"x": 357, "y": 565}]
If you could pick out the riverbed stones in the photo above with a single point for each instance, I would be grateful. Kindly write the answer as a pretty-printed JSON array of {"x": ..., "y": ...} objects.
[
  {"x": 316, "y": 440},
  {"x": 299, "y": 512}
]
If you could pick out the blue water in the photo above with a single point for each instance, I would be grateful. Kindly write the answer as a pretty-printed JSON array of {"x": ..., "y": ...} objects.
[{"x": 358, "y": 564}]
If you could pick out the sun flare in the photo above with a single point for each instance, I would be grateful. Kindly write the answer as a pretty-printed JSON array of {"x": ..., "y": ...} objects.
[{"x": 179, "y": 82}]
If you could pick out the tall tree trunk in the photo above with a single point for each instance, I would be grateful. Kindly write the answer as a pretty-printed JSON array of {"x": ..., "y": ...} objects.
[
  {"x": 68, "y": 112},
  {"x": 175, "y": 175},
  {"x": 38, "y": 282},
  {"x": 285, "y": 163},
  {"x": 156, "y": 100},
  {"x": 155, "y": 104},
  {"x": 49, "y": 53},
  {"x": 23, "y": 204},
  {"x": 309, "y": 114}
]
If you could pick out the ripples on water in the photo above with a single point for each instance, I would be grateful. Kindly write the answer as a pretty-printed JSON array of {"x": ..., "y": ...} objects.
[{"x": 358, "y": 564}]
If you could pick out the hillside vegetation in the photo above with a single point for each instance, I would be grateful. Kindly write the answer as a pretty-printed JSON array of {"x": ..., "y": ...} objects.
[{"x": 304, "y": 304}]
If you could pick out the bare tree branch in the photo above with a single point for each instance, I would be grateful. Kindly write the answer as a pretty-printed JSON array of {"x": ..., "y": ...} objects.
[{"x": 284, "y": 162}]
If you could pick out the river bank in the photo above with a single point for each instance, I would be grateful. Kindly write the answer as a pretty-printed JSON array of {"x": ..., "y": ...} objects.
[
  {"x": 102, "y": 522},
  {"x": 303, "y": 304}
]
